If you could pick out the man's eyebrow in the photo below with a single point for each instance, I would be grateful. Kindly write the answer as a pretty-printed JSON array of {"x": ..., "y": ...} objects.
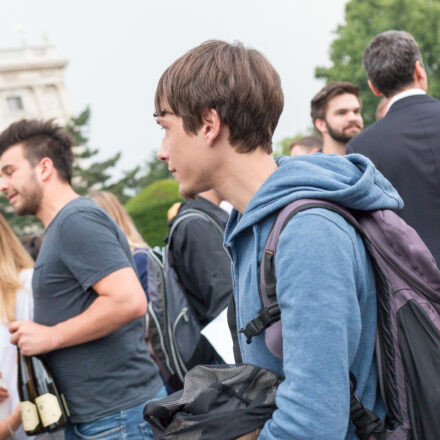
[
  {"x": 162, "y": 113},
  {"x": 6, "y": 168}
]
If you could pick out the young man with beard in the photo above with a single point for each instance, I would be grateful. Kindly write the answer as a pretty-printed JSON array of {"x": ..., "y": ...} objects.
[
  {"x": 89, "y": 306},
  {"x": 219, "y": 105},
  {"x": 336, "y": 115}
]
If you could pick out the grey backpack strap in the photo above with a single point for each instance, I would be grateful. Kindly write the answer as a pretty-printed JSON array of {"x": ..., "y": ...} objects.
[
  {"x": 188, "y": 213},
  {"x": 368, "y": 425},
  {"x": 268, "y": 317},
  {"x": 191, "y": 212}
]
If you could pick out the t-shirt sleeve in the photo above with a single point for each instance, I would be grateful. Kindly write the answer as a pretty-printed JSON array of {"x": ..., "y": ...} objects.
[{"x": 89, "y": 246}]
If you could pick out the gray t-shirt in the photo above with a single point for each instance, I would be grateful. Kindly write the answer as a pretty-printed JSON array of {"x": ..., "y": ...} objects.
[{"x": 81, "y": 246}]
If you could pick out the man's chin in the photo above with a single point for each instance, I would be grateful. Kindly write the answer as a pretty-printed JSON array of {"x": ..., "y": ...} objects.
[
  {"x": 23, "y": 210},
  {"x": 187, "y": 195},
  {"x": 351, "y": 133}
]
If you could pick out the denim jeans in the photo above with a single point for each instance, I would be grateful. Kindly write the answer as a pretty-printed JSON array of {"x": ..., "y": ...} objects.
[{"x": 128, "y": 424}]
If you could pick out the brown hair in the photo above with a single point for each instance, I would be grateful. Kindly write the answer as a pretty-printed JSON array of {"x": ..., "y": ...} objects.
[
  {"x": 109, "y": 203},
  {"x": 308, "y": 142},
  {"x": 238, "y": 82},
  {"x": 41, "y": 139},
  {"x": 13, "y": 258},
  {"x": 319, "y": 103}
]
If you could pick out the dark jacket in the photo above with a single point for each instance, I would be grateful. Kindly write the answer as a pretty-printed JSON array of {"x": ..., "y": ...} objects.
[
  {"x": 405, "y": 147},
  {"x": 200, "y": 260}
]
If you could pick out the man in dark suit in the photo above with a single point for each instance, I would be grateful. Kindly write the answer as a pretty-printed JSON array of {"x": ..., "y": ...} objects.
[{"x": 405, "y": 144}]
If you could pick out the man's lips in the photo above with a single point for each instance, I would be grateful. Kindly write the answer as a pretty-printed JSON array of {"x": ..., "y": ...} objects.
[
  {"x": 12, "y": 197},
  {"x": 353, "y": 126}
]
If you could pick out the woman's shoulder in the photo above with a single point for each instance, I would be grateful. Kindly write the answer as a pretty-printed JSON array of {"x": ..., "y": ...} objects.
[
  {"x": 25, "y": 276},
  {"x": 25, "y": 301}
]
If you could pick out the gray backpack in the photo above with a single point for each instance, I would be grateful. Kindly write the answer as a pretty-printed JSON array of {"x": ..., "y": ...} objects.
[
  {"x": 173, "y": 329},
  {"x": 408, "y": 336}
]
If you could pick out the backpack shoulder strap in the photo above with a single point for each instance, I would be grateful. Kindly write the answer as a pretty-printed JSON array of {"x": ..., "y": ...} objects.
[
  {"x": 270, "y": 311},
  {"x": 368, "y": 425},
  {"x": 191, "y": 213}
]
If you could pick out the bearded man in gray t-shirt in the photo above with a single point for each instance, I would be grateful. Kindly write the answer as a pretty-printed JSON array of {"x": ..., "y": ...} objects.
[{"x": 89, "y": 304}]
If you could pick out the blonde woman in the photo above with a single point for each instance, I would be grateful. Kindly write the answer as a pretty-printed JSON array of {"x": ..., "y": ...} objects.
[
  {"x": 109, "y": 203},
  {"x": 16, "y": 303}
]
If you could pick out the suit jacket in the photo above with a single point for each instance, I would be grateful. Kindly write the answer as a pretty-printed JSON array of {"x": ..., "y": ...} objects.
[{"x": 405, "y": 147}]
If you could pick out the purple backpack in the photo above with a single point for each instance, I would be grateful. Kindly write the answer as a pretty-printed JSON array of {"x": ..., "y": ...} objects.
[{"x": 408, "y": 332}]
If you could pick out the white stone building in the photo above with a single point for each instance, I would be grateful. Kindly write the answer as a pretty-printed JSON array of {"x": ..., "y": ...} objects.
[{"x": 32, "y": 85}]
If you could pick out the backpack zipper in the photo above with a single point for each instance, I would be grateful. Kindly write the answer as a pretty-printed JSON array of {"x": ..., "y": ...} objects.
[
  {"x": 162, "y": 266},
  {"x": 161, "y": 339},
  {"x": 184, "y": 314}
]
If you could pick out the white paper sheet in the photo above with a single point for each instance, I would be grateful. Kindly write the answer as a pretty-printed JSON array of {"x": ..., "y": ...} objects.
[{"x": 218, "y": 334}]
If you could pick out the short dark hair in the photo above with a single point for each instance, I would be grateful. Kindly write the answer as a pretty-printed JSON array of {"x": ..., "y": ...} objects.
[
  {"x": 41, "y": 139},
  {"x": 238, "y": 82},
  {"x": 319, "y": 103},
  {"x": 308, "y": 142},
  {"x": 389, "y": 61}
]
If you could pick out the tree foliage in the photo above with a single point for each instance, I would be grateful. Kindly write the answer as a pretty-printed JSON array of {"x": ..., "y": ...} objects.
[
  {"x": 282, "y": 147},
  {"x": 149, "y": 210},
  {"x": 93, "y": 175},
  {"x": 89, "y": 174},
  {"x": 366, "y": 18}
]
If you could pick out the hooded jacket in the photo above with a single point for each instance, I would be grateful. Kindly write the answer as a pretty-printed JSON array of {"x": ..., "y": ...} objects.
[{"x": 325, "y": 289}]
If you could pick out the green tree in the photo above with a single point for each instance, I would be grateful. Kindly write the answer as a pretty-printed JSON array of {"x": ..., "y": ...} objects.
[
  {"x": 93, "y": 175},
  {"x": 153, "y": 170},
  {"x": 149, "y": 209},
  {"x": 282, "y": 147},
  {"x": 88, "y": 174},
  {"x": 366, "y": 18}
]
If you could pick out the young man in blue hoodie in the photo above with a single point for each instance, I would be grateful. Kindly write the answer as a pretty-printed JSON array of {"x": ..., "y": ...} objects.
[{"x": 219, "y": 105}]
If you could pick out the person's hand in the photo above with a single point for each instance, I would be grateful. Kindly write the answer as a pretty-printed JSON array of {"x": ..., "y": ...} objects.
[
  {"x": 3, "y": 392},
  {"x": 32, "y": 338}
]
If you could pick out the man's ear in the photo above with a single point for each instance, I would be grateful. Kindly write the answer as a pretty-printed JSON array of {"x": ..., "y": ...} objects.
[
  {"x": 373, "y": 89},
  {"x": 211, "y": 125},
  {"x": 46, "y": 168},
  {"x": 420, "y": 76},
  {"x": 320, "y": 126}
]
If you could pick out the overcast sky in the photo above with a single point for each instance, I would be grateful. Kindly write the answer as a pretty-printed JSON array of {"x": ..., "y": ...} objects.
[{"x": 117, "y": 51}]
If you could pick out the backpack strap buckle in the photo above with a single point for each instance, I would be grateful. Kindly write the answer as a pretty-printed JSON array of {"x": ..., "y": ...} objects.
[{"x": 265, "y": 318}]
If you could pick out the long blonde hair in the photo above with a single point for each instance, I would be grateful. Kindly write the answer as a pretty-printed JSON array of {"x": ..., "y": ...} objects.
[
  {"x": 13, "y": 258},
  {"x": 109, "y": 203}
]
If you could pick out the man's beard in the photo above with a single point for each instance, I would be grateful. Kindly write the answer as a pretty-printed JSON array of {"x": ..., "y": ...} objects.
[
  {"x": 31, "y": 199},
  {"x": 190, "y": 195},
  {"x": 341, "y": 136}
]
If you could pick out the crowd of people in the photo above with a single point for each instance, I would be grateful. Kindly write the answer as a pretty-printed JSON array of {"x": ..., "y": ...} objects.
[{"x": 82, "y": 305}]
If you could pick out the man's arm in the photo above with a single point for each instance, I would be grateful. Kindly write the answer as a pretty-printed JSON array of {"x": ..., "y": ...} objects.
[
  {"x": 121, "y": 300},
  {"x": 90, "y": 249},
  {"x": 320, "y": 315}
]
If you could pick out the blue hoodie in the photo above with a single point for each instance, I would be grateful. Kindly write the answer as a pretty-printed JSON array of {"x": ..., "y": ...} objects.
[{"x": 325, "y": 289}]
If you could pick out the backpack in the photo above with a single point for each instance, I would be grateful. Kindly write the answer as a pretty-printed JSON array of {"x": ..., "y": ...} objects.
[
  {"x": 408, "y": 328},
  {"x": 243, "y": 395},
  {"x": 173, "y": 329}
]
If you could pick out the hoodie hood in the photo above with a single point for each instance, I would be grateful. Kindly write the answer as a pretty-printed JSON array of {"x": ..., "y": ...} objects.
[{"x": 351, "y": 181}]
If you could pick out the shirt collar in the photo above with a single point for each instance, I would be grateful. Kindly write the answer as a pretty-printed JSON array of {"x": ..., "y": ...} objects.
[{"x": 405, "y": 94}]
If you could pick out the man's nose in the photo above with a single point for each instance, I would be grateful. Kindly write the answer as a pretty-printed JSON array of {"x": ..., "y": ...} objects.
[
  {"x": 354, "y": 116},
  {"x": 3, "y": 184},
  {"x": 162, "y": 154}
]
